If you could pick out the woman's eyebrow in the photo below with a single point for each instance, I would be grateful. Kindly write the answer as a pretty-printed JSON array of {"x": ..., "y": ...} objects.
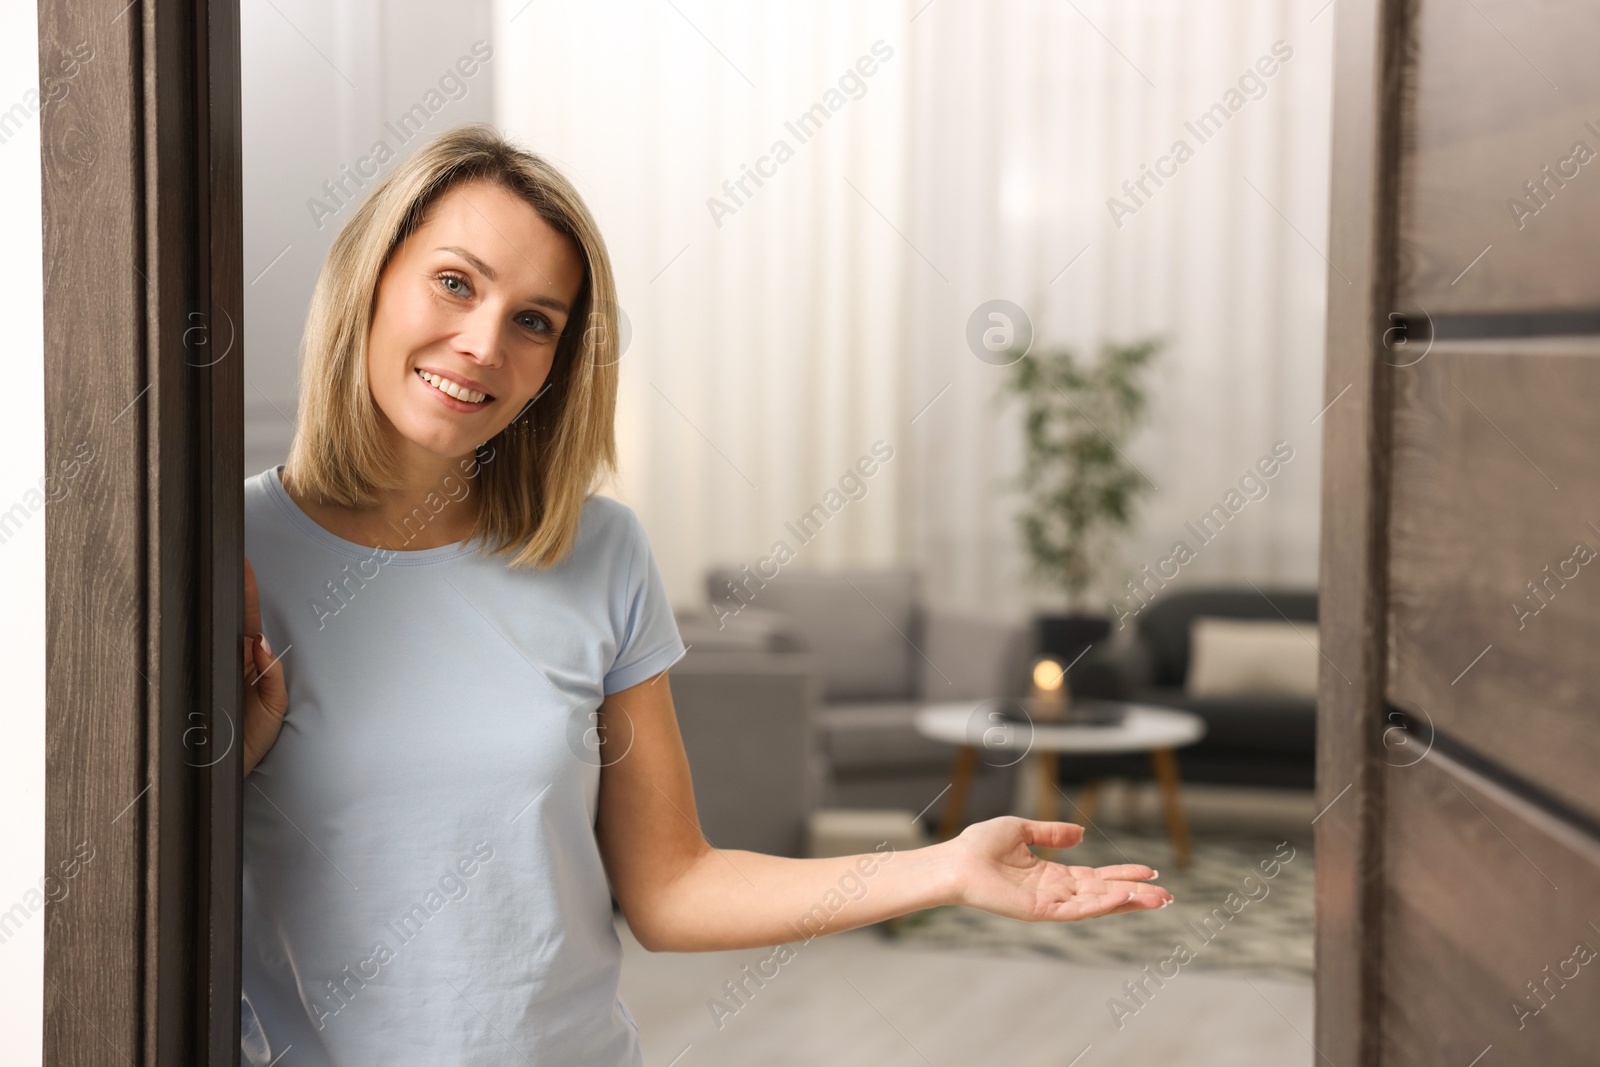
[{"x": 488, "y": 272}]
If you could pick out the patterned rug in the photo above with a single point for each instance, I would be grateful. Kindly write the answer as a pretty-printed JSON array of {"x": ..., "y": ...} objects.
[{"x": 1246, "y": 905}]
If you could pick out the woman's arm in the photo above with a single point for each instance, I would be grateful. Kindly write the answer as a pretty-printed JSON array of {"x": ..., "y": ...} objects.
[{"x": 681, "y": 895}]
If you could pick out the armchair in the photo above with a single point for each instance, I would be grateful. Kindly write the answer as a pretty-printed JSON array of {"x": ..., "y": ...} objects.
[
  {"x": 881, "y": 654},
  {"x": 746, "y": 694}
]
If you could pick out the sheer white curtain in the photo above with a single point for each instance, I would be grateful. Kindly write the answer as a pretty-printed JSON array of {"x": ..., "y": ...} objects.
[
  {"x": 1027, "y": 118},
  {"x": 828, "y": 310}
]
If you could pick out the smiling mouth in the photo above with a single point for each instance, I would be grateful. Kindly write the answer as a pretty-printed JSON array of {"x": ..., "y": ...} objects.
[{"x": 451, "y": 389}]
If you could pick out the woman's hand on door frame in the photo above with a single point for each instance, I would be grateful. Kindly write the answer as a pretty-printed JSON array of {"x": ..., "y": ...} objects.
[{"x": 266, "y": 697}]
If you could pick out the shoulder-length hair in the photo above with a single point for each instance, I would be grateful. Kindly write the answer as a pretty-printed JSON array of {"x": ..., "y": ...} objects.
[{"x": 534, "y": 475}]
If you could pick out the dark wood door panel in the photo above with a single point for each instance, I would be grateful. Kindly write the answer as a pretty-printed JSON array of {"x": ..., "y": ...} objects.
[
  {"x": 1494, "y": 566},
  {"x": 1498, "y": 90},
  {"x": 143, "y": 285},
  {"x": 1488, "y": 935}
]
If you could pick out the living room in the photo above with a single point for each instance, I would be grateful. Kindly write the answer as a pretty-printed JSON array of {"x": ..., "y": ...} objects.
[{"x": 1046, "y": 534}]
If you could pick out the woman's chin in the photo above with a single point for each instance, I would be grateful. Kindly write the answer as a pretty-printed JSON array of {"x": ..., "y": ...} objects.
[{"x": 446, "y": 445}]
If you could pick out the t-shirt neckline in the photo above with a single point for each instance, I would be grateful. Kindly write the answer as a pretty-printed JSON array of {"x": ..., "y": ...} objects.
[{"x": 333, "y": 542}]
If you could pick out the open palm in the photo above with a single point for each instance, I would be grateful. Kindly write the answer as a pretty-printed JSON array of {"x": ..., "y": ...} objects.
[{"x": 997, "y": 872}]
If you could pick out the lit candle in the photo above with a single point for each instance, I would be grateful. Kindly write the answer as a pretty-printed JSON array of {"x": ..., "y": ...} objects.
[{"x": 1049, "y": 692}]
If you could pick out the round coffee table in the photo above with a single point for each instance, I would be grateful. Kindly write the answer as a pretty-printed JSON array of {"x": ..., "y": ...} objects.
[{"x": 1144, "y": 728}]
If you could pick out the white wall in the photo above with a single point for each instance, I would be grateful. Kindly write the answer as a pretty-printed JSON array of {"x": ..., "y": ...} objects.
[
  {"x": 323, "y": 84},
  {"x": 21, "y": 544}
]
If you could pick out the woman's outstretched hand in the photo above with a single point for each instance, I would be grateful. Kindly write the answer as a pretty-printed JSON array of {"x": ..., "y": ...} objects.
[
  {"x": 996, "y": 871},
  {"x": 266, "y": 697}
]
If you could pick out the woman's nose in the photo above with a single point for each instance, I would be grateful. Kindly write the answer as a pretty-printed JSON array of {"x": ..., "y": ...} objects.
[{"x": 481, "y": 337}]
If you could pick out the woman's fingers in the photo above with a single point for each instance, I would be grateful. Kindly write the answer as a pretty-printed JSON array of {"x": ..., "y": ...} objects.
[
  {"x": 1119, "y": 905},
  {"x": 1051, "y": 834},
  {"x": 269, "y": 677},
  {"x": 1111, "y": 899},
  {"x": 1106, "y": 881},
  {"x": 1122, "y": 894},
  {"x": 1127, "y": 872},
  {"x": 1140, "y": 896},
  {"x": 1129, "y": 884},
  {"x": 252, "y": 600}
]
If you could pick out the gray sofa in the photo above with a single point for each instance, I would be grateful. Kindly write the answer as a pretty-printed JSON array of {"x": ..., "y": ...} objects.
[
  {"x": 1268, "y": 741},
  {"x": 880, "y": 653}
]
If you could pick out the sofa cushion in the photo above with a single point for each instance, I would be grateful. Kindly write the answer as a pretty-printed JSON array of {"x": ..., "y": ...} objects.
[
  {"x": 860, "y": 624},
  {"x": 1164, "y": 625},
  {"x": 1252, "y": 658},
  {"x": 879, "y": 735}
]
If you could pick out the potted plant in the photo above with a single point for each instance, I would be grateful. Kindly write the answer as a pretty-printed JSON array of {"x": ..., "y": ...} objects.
[{"x": 1081, "y": 487}]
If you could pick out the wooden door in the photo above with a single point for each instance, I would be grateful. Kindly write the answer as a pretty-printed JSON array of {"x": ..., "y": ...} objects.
[
  {"x": 143, "y": 290},
  {"x": 1458, "y": 845}
]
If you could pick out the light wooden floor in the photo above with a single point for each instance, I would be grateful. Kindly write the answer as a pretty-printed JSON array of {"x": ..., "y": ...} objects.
[{"x": 852, "y": 1000}]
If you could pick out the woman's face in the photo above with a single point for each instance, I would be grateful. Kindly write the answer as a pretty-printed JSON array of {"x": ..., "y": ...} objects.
[{"x": 478, "y": 296}]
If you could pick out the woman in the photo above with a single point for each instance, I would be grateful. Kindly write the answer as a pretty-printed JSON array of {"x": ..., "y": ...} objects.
[{"x": 459, "y": 738}]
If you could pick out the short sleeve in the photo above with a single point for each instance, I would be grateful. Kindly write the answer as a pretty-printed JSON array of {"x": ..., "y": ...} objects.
[{"x": 650, "y": 642}]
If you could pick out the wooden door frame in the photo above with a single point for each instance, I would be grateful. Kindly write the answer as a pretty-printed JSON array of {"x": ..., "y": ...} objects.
[
  {"x": 143, "y": 300},
  {"x": 1369, "y": 65}
]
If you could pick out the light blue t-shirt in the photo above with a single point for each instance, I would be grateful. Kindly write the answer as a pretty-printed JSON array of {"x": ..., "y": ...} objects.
[{"x": 422, "y": 882}]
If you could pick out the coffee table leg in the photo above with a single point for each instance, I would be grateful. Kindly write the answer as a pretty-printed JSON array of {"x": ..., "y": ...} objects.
[
  {"x": 960, "y": 779},
  {"x": 1165, "y": 765},
  {"x": 1047, "y": 786},
  {"x": 1132, "y": 810},
  {"x": 1088, "y": 801}
]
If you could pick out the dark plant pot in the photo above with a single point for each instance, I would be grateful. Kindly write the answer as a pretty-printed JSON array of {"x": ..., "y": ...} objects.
[{"x": 1064, "y": 637}]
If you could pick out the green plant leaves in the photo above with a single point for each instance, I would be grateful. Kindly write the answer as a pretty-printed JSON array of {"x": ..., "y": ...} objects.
[{"x": 1081, "y": 487}]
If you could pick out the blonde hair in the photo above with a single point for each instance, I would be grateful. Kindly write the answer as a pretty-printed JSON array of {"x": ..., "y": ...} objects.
[{"x": 541, "y": 468}]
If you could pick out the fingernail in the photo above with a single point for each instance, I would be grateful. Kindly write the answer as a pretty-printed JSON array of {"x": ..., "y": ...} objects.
[
  {"x": 264, "y": 643},
  {"x": 1154, "y": 873},
  {"x": 1167, "y": 902}
]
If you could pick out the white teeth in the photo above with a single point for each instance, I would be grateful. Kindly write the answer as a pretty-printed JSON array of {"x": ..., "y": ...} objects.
[{"x": 445, "y": 385}]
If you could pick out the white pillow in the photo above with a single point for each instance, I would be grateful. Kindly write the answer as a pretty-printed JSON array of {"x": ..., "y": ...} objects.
[{"x": 1252, "y": 657}]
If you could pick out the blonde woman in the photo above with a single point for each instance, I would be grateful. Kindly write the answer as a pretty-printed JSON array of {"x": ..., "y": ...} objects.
[{"x": 459, "y": 733}]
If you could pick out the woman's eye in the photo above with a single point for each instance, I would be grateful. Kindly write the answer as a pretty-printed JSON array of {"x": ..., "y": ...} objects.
[{"x": 534, "y": 322}]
